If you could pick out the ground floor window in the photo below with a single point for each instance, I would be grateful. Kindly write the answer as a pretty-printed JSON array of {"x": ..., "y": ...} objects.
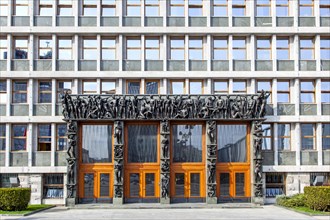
[
  {"x": 320, "y": 179},
  {"x": 53, "y": 186},
  {"x": 8, "y": 180},
  {"x": 275, "y": 184}
]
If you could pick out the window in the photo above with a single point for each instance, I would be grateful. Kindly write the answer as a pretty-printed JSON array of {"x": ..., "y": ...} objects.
[
  {"x": 282, "y": 8},
  {"x": 152, "y": 48},
  {"x": 232, "y": 143},
  {"x": 307, "y": 136},
  {"x": 64, "y": 8},
  {"x": 239, "y": 86},
  {"x": 45, "y": 7},
  {"x": 108, "y": 7},
  {"x": 65, "y": 48},
  {"x": 108, "y": 87},
  {"x": 53, "y": 186},
  {"x": 108, "y": 48},
  {"x": 220, "y": 49},
  {"x": 89, "y": 48},
  {"x": 263, "y": 8},
  {"x": 177, "y": 48},
  {"x": 20, "y": 48},
  {"x": 187, "y": 143},
  {"x": 266, "y": 86},
  {"x": 325, "y": 91},
  {"x": 62, "y": 88},
  {"x": 283, "y": 91},
  {"x": 151, "y": 8},
  {"x": 4, "y": 8},
  {"x": 307, "y": 92},
  {"x": 61, "y": 137},
  {"x": 275, "y": 184},
  {"x": 307, "y": 49},
  {"x": 239, "y": 48},
  {"x": 282, "y": 48},
  {"x": 264, "y": 51},
  {"x": 267, "y": 137},
  {"x": 44, "y": 137},
  {"x": 306, "y": 8},
  {"x": 18, "y": 137},
  {"x": 97, "y": 148},
  {"x": 196, "y": 48},
  {"x": 177, "y": 8},
  {"x": 2, "y": 137},
  {"x": 45, "y": 92},
  {"x": 5, "y": 179},
  {"x": 177, "y": 87},
  {"x": 196, "y": 87},
  {"x": 284, "y": 136},
  {"x": 325, "y": 48},
  {"x": 45, "y": 48},
  {"x": 3, "y": 48},
  {"x": 21, "y": 7},
  {"x": 324, "y": 8},
  {"x": 133, "y": 7},
  {"x": 19, "y": 92},
  {"x": 89, "y": 8},
  {"x": 195, "y": 8},
  {"x": 325, "y": 136},
  {"x": 220, "y": 8},
  {"x": 133, "y": 87},
  {"x": 89, "y": 87},
  {"x": 320, "y": 179},
  {"x": 238, "y": 8},
  {"x": 221, "y": 87},
  {"x": 152, "y": 87},
  {"x": 142, "y": 143},
  {"x": 3, "y": 91},
  {"x": 133, "y": 49}
]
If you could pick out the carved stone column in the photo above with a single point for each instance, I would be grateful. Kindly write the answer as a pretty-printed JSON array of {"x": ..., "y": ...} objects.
[
  {"x": 71, "y": 184},
  {"x": 257, "y": 177},
  {"x": 118, "y": 196},
  {"x": 165, "y": 162},
  {"x": 211, "y": 159}
]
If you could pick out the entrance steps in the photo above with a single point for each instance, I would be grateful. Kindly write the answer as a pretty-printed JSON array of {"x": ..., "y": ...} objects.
[{"x": 165, "y": 206}]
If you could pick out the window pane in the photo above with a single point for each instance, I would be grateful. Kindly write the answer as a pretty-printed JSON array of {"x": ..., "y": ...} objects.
[
  {"x": 134, "y": 184},
  {"x": 240, "y": 184},
  {"x": 224, "y": 184},
  {"x": 152, "y": 54},
  {"x": 220, "y": 87},
  {"x": 61, "y": 132},
  {"x": 108, "y": 11},
  {"x": 307, "y": 86},
  {"x": 195, "y": 54},
  {"x": 177, "y": 88},
  {"x": 284, "y": 98},
  {"x": 177, "y": 54},
  {"x": 177, "y": 11},
  {"x": 194, "y": 184},
  {"x": 239, "y": 54},
  {"x": 239, "y": 86},
  {"x": 307, "y": 135},
  {"x": 326, "y": 136},
  {"x": 282, "y": 54},
  {"x": 108, "y": 87},
  {"x": 187, "y": 143},
  {"x": 88, "y": 185},
  {"x": 179, "y": 184},
  {"x": 152, "y": 87},
  {"x": 133, "y": 88},
  {"x": 282, "y": 11},
  {"x": 104, "y": 184},
  {"x": 150, "y": 184},
  {"x": 89, "y": 87},
  {"x": 306, "y": 54},
  {"x": 133, "y": 11},
  {"x": 152, "y": 11},
  {"x": 263, "y": 11},
  {"x": 238, "y": 12},
  {"x": 90, "y": 11},
  {"x": 97, "y": 144},
  {"x": 195, "y": 88},
  {"x": 142, "y": 143}
]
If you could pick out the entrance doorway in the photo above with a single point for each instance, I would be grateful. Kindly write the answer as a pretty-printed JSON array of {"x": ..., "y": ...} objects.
[
  {"x": 188, "y": 162},
  {"x": 142, "y": 169}
]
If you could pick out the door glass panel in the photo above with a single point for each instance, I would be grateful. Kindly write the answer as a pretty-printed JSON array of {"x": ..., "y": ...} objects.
[
  {"x": 232, "y": 143},
  {"x": 224, "y": 184},
  {"x": 134, "y": 184},
  {"x": 104, "y": 184},
  {"x": 187, "y": 143},
  {"x": 97, "y": 144},
  {"x": 150, "y": 184},
  {"x": 239, "y": 182},
  {"x": 142, "y": 143},
  {"x": 194, "y": 184},
  {"x": 89, "y": 185},
  {"x": 179, "y": 184}
]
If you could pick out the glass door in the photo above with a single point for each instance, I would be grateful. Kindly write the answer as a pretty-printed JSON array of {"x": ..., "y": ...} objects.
[{"x": 188, "y": 186}]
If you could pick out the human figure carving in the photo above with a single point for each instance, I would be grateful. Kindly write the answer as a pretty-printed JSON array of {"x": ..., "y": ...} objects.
[
  {"x": 211, "y": 131},
  {"x": 118, "y": 133}
]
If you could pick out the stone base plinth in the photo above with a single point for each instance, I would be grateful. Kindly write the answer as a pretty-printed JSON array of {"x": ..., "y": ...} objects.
[
  {"x": 70, "y": 202},
  {"x": 258, "y": 200},
  {"x": 118, "y": 201},
  {"x": 165, "y": 201},
  {"x": 211, "y": 200}
]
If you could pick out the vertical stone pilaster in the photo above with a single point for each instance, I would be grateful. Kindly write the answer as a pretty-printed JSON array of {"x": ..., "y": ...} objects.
[
  {"x": 118, "y": 196},
  {"x": 257, "y": 176},
  {"x": 211, "y": 159},
  {"x": 72, "y": 175},
  {"x": 165, "y": 162}
]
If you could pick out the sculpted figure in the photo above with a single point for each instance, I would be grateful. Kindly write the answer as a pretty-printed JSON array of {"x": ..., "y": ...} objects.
[
  {"x": 118, "y": 171},
  {"x": 165, "y": 184},
  {"x": 211, "y": 131},
  {"x": 118, "y": 133},
  {"x": 71, "y": 164}
]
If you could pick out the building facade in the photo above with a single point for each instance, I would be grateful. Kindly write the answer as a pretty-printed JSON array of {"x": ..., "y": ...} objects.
[{"x": 156, "y": 47}]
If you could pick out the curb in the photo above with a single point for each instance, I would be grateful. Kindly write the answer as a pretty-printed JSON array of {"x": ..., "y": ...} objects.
[{"x": 29, "y": 213}]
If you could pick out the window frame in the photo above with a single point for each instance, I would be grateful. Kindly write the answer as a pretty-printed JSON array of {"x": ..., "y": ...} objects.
[
  {"x": 22, "y": 5},
  {"x": 192, "y": 49},
  {"x": 308, "y": 136},
  {"x": 87, "y": 91},
  {"x": 40, "y": 92},
  {"x": 270, "y": 136},
  {"x": 283, "y": 48},
  {"x": 26, "y": 49},
  {"x": 226, "y": 49},
  {"x": 18, "y": 137},
  {"x": 177, "y": 48},
  {"x": 85, "y": 6},
  {"x": 85, "y": 49},
  {"x": 4, "y": 4},
  {"x": 60, "y": 6},
  {"x": 3, "y": 92},
  {"x": 243, "y": 6},
  {"x": 108, "y": 6},
  {"x": 44, "y": 5},
  {"x": 114, "y": 48},
  {"x": 239, "y": 48},
  {"x": 325, "y": 91},
  {"x": 216, "y": 5},
  {"x": 52, "y": 185},
  {"x": 59, "y": 48},
  {"x": 133, "y": 48},
  {"x": 263, "y": 5},
  {"x": 264, "y": 48},
  {"x": 175, "y": 81},
  {"x": 325, "y": 48},
  {"x": 60, "y": 137},
  {"x": 152, "y": 80},
  {"x": 306, "y": 91},
  {"x": 146, "y": 5},
  {"x": 282, "y": 6},
  {"x": 131, "y": 81},
  {"x": 327, "y": 136},
  {"x": 3, "y": 138},
  {"x": 312, "y": 48},
  {"x": 105, "y": 81},
  {"x": 152, "y": 48},
  {"x": 40, "y": 48},
  {"x": 306, "y": 6},
  {"x": 284, "y": 91},
  {"x": 44, "y": 137},
  {"x": 218, "y": 92},
  {"x": 132, "y": 5},
  {"x": 240, "y": 91},
  {"x": 284, "y": 137},
  {"x": 192, "y": 5},
  {"x": 19, "y": 91},
  {"x": 176, "y": 5},
  {"x": 4, "y": 48},
  {"x": 324, "y": 6}
]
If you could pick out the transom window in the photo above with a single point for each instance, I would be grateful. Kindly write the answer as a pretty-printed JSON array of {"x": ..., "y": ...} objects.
[
  {"x": 195, "y": 48},
  {"x": 151, "y": 8},
  {"x": 89, "y": 8},
  {"x": 263, "y": 8},
  {"x": 108, "y": 7},
  {"x": 45, "y": 92},
  {"x": 307, "y": 92},
  {"x": 20, "y": 48},
  {"x": 282, "y": 48},
  {"x": 306, "y": 8},
  {"x": 44, "y": 137},
  {"x": 284, "y": 136},
  {"x": 19, "y": 134},
  {"x": 3, "y": 48},
  {"x": 220, "y": 8},
  {"x": 238, "y": 8},
  {"x": 306, "y": 49},
  {"x": 221, "y": 87},
  {"x": 133, "y": 7},
  {"x": 264, "y": 51},
  {"x": 282, "y": 8},
  {"x": 45, "y": 7},
  {"x": 19, "y": 92},
  {"x": 133, "y": 48},
  {"x": 283, "y": 91},
  {"x": 45, "y": 48},
  {"x": 177, "y": 48},
  {"x": 239, "y": 48},
  {"x": 177, "y": 8},
  {"x": 307, "y": 136},
  {"x": 220, "y": 49},
  {"x": 152, "y": 48},
  {"x": 108, "y": 48},
  {"x": 64, "y": 48}
]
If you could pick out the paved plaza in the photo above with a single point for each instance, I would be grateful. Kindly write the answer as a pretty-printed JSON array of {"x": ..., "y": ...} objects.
[{"x": 266, "y": 212}]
